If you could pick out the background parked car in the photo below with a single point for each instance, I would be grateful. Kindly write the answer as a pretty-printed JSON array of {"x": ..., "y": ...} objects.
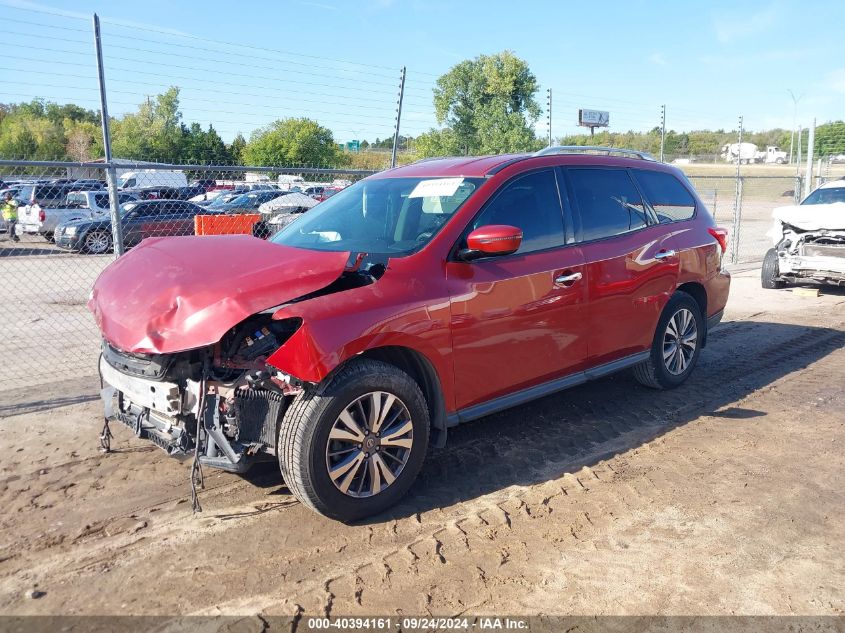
[
  {"x": 207, "y": 184},
  {"x": 152, "y": 178},
  {"x": 279, "y": 212},
  {"x": 141, "y": 219},
  {"x": 208, "y": 197},
  {"x": 35, "y": 220},
  {"x": 244, "y": 203},
  {"x": 155, "y": 193},
  {"x": 54, "y": 193},
  {"x": 327, "y": 193},
  {"x": 186, "y": 193}
]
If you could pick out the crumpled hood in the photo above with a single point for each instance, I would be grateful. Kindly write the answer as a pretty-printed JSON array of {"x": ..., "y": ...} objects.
[
  {"x": 812, "y": 217},
  {"x": 178, "y": 293}
]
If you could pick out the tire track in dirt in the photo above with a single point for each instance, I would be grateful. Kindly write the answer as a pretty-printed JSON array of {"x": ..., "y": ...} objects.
[
  {"x": 496, "y": 475},
  {"x": 496, "y": 517}
]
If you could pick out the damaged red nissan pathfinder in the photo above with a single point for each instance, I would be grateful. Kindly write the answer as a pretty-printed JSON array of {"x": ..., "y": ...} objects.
[{"x": 417, "y": 299}]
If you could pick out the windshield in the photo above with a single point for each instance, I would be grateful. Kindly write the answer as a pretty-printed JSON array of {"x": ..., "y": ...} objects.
[
  {"x": 223, "y": 198},
  {"x": 826, "y": 196},
  {"x": 79, "y": 199},
  {"x": 26, "y": 192},
  {"x": 394, "y": 216},
  {"x": 124, "y": 182},
  {"x": 126, "y": 207},
  {"x": 249, "y": 200}
]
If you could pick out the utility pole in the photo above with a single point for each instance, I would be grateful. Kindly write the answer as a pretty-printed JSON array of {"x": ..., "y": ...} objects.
[
  {"x": 662, "y": 130},
  {"x": 737, "y": 200},
  {"x": 798, "y": 162},
  {"x": 549, "y": 115},
  {"x": 398, "y": 117},
  {"x": 795, "y": 101},
  {"x": 111, "y": 174}
]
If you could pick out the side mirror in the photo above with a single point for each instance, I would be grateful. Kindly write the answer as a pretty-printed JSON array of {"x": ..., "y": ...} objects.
[{"x": 491, "y": 241}]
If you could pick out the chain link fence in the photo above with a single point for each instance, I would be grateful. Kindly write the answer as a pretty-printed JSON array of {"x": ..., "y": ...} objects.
[
  {"x": 64, "y": 237},
  {"x": 744, "y": 206}
]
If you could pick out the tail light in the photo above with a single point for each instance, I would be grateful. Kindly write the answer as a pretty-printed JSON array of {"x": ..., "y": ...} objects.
[
  {"x": 42, "y": 216},
  {"x": 721, "y": 236}
]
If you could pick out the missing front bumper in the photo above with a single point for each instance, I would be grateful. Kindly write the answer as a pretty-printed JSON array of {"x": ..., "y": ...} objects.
[
  {"x": 233, "y": 432},
  {"x": 817, "y": 267}
]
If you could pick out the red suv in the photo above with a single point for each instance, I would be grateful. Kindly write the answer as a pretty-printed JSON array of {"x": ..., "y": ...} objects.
[{"x": 415, "y": 300}]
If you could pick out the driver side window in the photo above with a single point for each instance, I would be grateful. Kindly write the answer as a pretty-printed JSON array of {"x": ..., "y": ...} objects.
[{"x": 531, "y": 203}]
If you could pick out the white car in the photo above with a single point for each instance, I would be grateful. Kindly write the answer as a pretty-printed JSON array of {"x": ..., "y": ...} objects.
[{"x": 809, "y": 240}]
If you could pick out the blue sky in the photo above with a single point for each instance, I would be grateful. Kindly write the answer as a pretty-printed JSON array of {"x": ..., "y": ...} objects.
[{"x": 242, "y": 65}]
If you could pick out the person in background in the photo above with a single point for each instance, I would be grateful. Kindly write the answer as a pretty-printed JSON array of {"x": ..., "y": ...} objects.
[{"x": 9, "y": 209}]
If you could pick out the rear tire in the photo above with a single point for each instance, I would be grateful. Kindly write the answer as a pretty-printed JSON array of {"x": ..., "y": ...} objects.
[
  {"x": 676, "y": 345},
  {"x": 318, "y": 450},
  {"x": 770, "y": 273},
  {"x": 49, "y": 237}
]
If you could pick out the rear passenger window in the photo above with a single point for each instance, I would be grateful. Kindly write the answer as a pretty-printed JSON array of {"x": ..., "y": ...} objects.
[
  {"x": 608, "y": 202},
  {"x": 532, "y": 204},
  {"x": 668, "y": 197}
]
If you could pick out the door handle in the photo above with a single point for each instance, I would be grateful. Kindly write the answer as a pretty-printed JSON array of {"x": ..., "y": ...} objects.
[
  {"x": 568, "y": 279},
  {"x": 665, "y": 254}
]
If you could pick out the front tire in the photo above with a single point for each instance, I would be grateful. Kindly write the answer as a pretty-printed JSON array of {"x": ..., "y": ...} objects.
[
  {"x": 676, "y": 345},
  {"x": 351, "y": 447},
  {"x": 770, "y": 271},
  {"x": 97, "y": 243}
]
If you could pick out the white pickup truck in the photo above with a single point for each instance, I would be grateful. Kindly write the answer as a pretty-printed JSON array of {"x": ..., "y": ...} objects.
[{"x": 36, "y": 220}]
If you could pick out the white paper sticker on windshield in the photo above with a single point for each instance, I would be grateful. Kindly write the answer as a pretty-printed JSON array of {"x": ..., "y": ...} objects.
[{"x": 436, "y": 188}]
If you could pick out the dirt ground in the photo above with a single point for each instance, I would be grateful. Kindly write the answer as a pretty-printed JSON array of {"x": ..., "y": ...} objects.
[{"x": 724, "y": 496}]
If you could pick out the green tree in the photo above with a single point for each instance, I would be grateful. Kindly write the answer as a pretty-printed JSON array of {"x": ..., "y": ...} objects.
[
  {"x": 293, "y": 141},
  {"x": 203, "y": 146},
  {"x": 830, "y": 138},
  {"x": 154, "y": 132},
  {"x": 84, "y": 140},
  {"x": 236, "y": 149},
  {"x": 488, "y": 106}
]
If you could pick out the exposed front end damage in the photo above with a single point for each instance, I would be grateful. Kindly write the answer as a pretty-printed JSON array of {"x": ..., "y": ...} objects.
[
  {"x": 813, "y": 256},
  {"x": 219, "y": 403},
  {"x": 810, "y": 243},
  {"x": 189, "y": 360}
]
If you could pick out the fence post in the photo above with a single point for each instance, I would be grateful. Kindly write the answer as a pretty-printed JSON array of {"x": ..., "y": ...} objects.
[
  {"x": 398, "y": 118},
  {"x": 797, "y": 194},
  {"x": 111, "y": 174},
  {"x": 810, "y": 142},
  {"x": 662, "y": 130},
  {"x": 737, "y": 201}
]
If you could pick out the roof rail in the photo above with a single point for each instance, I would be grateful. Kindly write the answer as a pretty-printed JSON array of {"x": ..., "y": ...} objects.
[{"x": 592, "y": 149}]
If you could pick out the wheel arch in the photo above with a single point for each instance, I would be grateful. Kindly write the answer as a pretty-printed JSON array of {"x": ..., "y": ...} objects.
[
  {"x": 422, "y": 371},
  {"x": 698, "y": 292}
]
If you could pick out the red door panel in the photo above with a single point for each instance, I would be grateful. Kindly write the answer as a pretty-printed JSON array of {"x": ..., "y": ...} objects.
[
  {"x": 630, "y": 278},
  {"x": 513, "y": 324}
]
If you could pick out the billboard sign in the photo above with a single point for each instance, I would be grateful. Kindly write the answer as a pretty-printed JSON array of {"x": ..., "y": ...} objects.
[{"x": 593, "y": 118}]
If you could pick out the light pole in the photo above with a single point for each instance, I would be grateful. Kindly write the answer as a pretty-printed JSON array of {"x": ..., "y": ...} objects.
[{"x": 795, "y": 101}]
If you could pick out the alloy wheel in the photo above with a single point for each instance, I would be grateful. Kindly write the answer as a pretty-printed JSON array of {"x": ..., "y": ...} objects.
[
  {"x": 369, "y": 444},
  {"x": 97, "y": 243},
  {"x": 680, "y": 342}
]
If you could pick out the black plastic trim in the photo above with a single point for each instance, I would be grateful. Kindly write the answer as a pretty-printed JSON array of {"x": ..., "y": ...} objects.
[
  {"x": 553, "y": 386},
  {"x": 715, "y": 319}
]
